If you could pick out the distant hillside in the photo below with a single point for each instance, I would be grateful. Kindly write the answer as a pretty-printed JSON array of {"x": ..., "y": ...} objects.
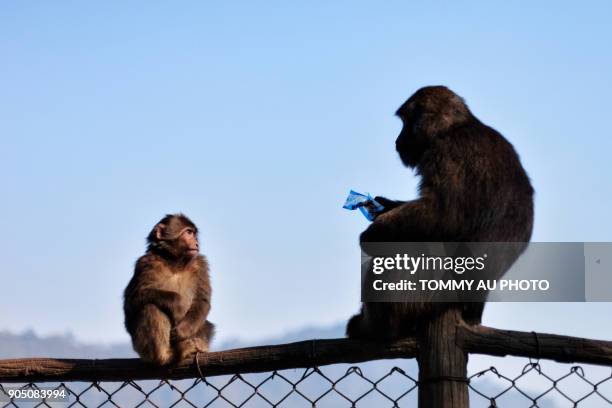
[
  {"x": 29, "y": 344},
  {"x": 306, "y": 333}
]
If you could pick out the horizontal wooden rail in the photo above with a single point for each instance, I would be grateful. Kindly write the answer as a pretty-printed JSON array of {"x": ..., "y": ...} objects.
[
  {"x": 302, "y": 354},
  {"x": 564, "y": 349},
  {"x": 477, "y": 339}
]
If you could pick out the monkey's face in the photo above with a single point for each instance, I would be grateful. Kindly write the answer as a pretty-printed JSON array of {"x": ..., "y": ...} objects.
[
  {"x": 408, "y": 146},
  {"x": 175, "y": 237},
  {"x": 413, "y": 140},
  {"x": 188, "y": 242},
  {"x": 428, "y": 114}
]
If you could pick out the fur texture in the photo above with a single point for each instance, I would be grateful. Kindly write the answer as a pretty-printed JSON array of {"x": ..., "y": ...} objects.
[
  {"x": 168, "y": 299},
  {"x": 473, "y": 188}
]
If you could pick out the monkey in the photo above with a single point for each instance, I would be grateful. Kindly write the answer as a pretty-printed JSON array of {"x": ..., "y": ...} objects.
[
  {"x": 167, "y": 300},
  {"x": 473, "y": 188}
]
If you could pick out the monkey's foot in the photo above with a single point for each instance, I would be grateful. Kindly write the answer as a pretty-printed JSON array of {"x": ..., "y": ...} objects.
[
  {"x": 189, "y": 347},
  {"x": 163, "y": 357},
  {"x": 200, "y": 345}
]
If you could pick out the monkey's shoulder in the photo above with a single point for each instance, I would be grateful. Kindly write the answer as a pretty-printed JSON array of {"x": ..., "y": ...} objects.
[
  {"x": 149, "y": 261},
  {"x": 151, "y": 266},
  {"x": 200, "y": 266}
]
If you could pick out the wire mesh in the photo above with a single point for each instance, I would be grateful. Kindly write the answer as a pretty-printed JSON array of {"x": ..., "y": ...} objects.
[
  {"x": 533, "y": 387},
  {"x": 320, "y": 387},
  {"x": 335, "y": 386}
]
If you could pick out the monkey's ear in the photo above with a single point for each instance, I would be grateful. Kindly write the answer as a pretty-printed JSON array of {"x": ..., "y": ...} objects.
[{"x": 159, "y": 231}]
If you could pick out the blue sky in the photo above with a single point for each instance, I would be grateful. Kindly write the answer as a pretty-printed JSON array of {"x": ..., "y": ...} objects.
[{"x": 256, "y": 119}]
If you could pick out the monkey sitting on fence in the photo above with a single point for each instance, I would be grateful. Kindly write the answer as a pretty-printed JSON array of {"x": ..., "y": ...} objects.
[
  {"x": 473, "y": 189},
  {"x": 168, "y": 298}
]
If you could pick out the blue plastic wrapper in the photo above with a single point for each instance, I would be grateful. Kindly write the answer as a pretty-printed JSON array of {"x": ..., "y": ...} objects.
[{"x": 357, "y": 200}]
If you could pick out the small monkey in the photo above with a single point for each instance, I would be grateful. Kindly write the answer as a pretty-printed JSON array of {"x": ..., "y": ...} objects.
[{"x": 168, "y": 298}]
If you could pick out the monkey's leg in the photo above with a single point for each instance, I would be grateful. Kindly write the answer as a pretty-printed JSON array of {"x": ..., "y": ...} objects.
[
  {"x": 151, "y": 339},
  {"x": 198, "y": 343},
  {"x": 376, "y": 321},
  {"x": 185, "y": 348},
  {"x": 205, "y": 334},
  {"x": 355, "y": 328}
]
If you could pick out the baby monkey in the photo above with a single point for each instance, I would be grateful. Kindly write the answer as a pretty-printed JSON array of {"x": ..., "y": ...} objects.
[{"x": 168, "y": 298}]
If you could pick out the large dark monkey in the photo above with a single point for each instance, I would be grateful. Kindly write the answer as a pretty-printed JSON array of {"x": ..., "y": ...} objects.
[
  {"x": 473, "y": 189},
  {"x": 168, "y": 299}
]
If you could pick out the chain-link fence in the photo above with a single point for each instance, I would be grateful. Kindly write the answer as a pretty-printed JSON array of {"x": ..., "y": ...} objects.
[
  {"x": 428, "y": 370},
  {"x": 373, "y": 384},
  {"x": 328, "y": 386},
  {"x": 568, "y": 386}
]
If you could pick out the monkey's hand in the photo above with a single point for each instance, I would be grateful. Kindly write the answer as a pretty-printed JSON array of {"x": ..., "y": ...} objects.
[
  {"x": 195, "y": 317},
  {"x": 388, "y": 204},
  {"x": 181, "y": 331},
  {"x": 404, "y": 223},
  {"x": 185, "y": 329}
]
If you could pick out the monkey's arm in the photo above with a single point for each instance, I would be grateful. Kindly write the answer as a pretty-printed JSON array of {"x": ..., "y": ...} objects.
[
  {"x": 198, "y": 311},
  {"x": 193, "y": 320},
  {"x": 165, "y": 300},
  {"x": 408, "y": 221},
  {"x": 374, "y": 209},
  {"x": 144, "y": 288},
  {"x": 387, "y": 204}
]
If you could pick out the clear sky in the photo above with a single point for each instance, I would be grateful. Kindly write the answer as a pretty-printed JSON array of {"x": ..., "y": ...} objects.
[{"x": 256, "y": 119}]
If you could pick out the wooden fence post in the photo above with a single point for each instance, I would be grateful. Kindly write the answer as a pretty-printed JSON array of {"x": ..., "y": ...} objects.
[{"x": 442, "y": 364}]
